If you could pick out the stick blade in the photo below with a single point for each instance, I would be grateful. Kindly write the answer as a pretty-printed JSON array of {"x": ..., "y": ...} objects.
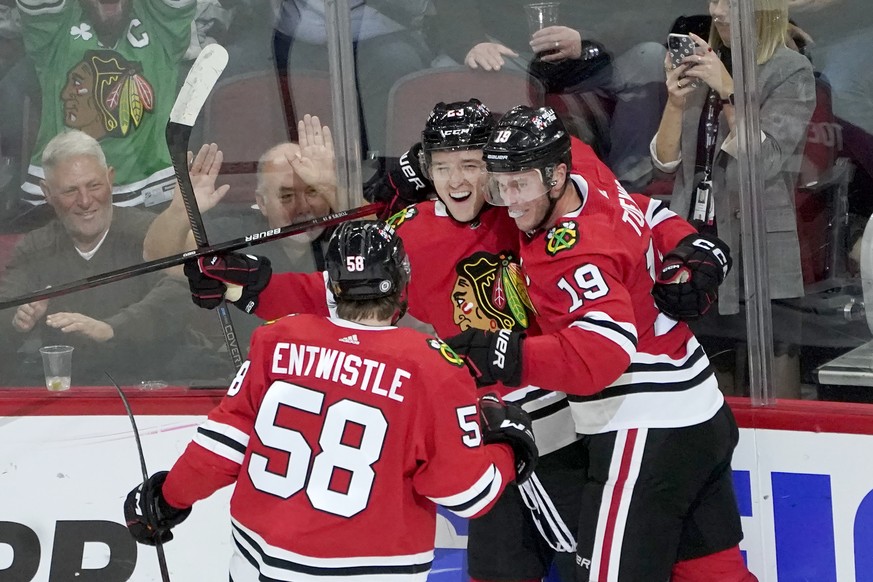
[{"x": 198, "y": 84}]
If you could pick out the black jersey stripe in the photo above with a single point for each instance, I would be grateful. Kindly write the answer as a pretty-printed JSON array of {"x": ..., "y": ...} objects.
[
  {"x": 610, "y": 325},
  {"x": 646, "y": 387},
  {"x": 223, "y": 439},
  {"x": 291, "y": 566}
]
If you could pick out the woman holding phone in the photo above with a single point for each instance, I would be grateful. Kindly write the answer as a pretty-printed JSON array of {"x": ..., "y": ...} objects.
[{"x": 697, "y": 141}]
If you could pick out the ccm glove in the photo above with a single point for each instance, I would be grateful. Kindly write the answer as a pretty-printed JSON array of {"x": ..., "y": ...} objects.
[
  {"x": 401, "y": 183},
  {"x": 507, "y": 423},
  {"x": 491, "y": 356},
  {"x": 687, "y": 285},
  {"x": 148, "y": 515},
  {"x": 210, "y": 276}
]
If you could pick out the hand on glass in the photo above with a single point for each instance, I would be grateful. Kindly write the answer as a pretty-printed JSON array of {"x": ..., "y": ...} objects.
[
  {"x": 488, "y": 56},
  {"x": 94, "y": 329},
  {"x": 203, "y": 169},
  {"x": 28, "y": 315},
  {"x": 556, "y": 43},
  {"x": 315, "y": 163}
]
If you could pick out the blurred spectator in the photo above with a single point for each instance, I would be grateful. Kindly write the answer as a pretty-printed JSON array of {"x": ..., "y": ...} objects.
[
  {"x": 591, "y": 50},
  {"x": 110, "y": 69},
  {"x": 296, "y": 183},
  {"x": 131, "y": 328},
  {"x": 697, "y": 141},
  {"x": 388, "y": 44},
  {"x": 11, "y": 46},
  {"x": 210, "y": 25}
]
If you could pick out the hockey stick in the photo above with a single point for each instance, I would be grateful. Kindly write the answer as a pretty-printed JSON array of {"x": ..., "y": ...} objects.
[
  {"x": 159, "y": 546},
  {"x": 179, "y": 259},
  {"x": 198, "y": 85}
]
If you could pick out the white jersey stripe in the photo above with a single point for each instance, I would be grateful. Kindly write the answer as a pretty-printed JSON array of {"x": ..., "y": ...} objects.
[
  {"x": 223, "y": 440},
  {"x": 611, "y": 334},
  {"x": 605, "y": 501},
  {"x": 481, "y": 493}
]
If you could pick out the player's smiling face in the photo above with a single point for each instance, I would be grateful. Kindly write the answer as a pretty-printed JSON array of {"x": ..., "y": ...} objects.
[{"x": 460, "y": 180}]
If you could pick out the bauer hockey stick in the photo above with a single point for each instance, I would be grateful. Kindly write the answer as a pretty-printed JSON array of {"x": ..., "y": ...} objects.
[
  {"x": 198, "y": 85},
  {"x": 179, "y": 259},
  {"x": 159, "y": 546}
]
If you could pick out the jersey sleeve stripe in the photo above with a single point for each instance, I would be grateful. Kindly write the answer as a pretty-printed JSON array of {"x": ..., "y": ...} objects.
[
  {"x": 656, "y": 213},
  {"x": 622, "y": 334},
  {"x": 223, "y": 440},
  {"x": 470, "y": 502}
]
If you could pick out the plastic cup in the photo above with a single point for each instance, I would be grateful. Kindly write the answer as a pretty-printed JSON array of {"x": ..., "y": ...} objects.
[
  {"x": 57, "y": 363},
  {"x": 541, "y": 14}
]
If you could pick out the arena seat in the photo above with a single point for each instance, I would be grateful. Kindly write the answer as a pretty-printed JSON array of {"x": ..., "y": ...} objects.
[{"x": 413, "y": 97}]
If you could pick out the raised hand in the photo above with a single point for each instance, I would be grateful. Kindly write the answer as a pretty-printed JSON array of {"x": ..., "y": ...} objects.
[
  {"x": 203, "y": 169},
  {"x": 488, "y": 56},
  {"x": 315, "y": 163},
  {"x": 705, "y": 65}
]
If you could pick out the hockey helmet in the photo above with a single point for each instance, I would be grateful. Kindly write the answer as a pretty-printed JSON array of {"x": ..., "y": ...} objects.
[
  {"x": 366, "y": 260},
  {"x": 527, "y": 139},
  {"x": 461, "y": 125}
]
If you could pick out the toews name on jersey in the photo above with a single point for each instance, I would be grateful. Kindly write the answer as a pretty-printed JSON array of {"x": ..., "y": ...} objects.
[{"x": 338, "y": 366}]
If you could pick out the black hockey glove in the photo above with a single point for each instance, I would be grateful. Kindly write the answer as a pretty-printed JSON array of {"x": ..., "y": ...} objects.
[
  {"x": 209, "y": 277},
  {"x": 149, "y": 517},
  {"x": 507, "y": 423},
  {"x": 491, "y": 356},
  {"x": 400, "y": 184},
  {"x": 687, "y": 285}
]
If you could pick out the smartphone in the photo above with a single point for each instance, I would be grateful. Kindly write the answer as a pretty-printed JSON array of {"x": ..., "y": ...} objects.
[{"x": 680, "y": 46}]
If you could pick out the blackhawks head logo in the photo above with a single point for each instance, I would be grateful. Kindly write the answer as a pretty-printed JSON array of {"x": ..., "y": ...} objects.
[
  {"x": 106, "y": 94},
  {"x": 562, "y": 237},
  {"x": 490, "y": 293}
]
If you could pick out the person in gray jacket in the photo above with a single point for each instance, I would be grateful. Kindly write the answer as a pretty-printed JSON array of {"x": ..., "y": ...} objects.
[{"x": 697, "y": 141}]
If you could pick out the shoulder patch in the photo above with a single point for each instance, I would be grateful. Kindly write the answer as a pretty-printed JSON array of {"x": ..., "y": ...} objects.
[
  {"x": 445, "y": 351},
  {"x": 408, "y": 213},
  {"x": 562, "y": 237}
]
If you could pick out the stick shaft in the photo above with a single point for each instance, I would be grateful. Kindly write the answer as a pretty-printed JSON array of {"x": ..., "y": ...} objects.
[{"x": 179, "y": 259}]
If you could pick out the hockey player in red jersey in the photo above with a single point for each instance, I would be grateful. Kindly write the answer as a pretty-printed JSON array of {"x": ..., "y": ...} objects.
[
  {"x": 658, "y": 500},
  {"x": 342, "y": 435}
]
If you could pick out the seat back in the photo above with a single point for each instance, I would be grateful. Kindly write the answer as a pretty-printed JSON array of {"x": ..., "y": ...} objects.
[{"x": 413, "y": 96}]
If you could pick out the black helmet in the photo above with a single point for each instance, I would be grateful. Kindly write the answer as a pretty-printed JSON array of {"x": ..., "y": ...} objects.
[
  {"x": 462, "y": 125},
  {"x": 527, "y": 139},
  {"x": 366, "y": 260}
]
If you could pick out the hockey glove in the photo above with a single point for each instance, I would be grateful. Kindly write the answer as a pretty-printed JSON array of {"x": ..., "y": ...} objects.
[
  {"x": 507, "y": 423},
  {"x": 149, "y": 517},
  {"x": 687, "y": 285},
  {"x": 400, "y": 184},
  {"x": 210, "y": 276},
  {"x": 491, "y": 356}
]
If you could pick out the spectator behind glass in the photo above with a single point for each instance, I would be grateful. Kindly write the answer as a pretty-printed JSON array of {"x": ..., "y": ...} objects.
[
  {"x": 593, "y": 52},
  {"x": 111, "y": 70},
  {"x": 131, "y": 328},
  {"x": 296, "y": 183},
  {"x": 786, "y": 87},
  {"x": 388, "y": 44}
]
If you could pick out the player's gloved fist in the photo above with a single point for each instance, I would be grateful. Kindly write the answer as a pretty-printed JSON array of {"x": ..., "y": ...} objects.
[
  {"x": 687, "y": 285},
  {"x": 401, "y": 183},
  {"x": 507, "y": 423},
  {"x": 215, "y": 277},
  {"x": 148, "y": 515},
  {"x": 491, "y": 356}
]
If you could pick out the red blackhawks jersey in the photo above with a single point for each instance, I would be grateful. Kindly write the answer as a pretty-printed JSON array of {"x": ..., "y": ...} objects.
[
  {"x": 341, "y": 439},
  {"x": 624, "y": 364}
]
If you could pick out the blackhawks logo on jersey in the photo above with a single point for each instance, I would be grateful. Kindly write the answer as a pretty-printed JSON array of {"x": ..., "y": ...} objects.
[
  {"x": 562, "y": 237},
  {"x": 445, "y": 351},
  {"x": 490, "y": 293},
  {"x": 408, "y": 213},
  {"x": 106, "y": 95}
]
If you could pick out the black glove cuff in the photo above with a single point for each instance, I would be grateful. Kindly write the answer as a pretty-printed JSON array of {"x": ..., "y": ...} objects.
[{"x": 712, "y": 245}]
